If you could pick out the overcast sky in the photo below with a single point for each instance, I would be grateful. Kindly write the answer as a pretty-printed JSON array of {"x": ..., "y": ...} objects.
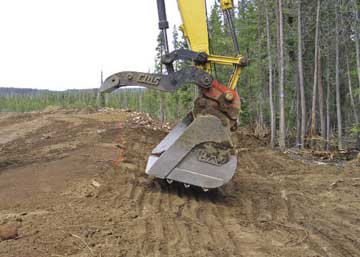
[{"x": 62, "y": 44}]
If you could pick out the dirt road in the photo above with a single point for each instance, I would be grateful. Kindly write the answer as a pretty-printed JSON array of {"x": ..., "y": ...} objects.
[{"x": 73, "y": 183}]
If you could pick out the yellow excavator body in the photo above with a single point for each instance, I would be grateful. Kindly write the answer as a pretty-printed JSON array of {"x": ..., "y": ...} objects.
[{"x": 194, "y": 27}]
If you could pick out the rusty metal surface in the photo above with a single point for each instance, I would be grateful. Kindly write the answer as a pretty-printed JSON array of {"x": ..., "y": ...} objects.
[{"x": 220, "y": 101}]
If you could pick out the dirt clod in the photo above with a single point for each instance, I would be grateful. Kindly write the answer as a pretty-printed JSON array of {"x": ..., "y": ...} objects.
[
  {"x": 95, "y": 183},
  {"x": 8, "y": 232}
]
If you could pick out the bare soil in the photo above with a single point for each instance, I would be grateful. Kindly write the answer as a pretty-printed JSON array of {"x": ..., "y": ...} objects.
[{"x": 73, "y": 184}]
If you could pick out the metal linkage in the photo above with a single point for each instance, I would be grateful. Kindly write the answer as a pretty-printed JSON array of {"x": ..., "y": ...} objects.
[
  {"x": 164, "y": 82},
  {"x": 185, "y": 54}
]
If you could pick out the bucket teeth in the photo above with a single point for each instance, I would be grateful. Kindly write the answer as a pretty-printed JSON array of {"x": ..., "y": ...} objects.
[
  {"x": 205, "y": 189},
  {"x": 169, "y": 181},
  {"x": 186, "y": 185}
]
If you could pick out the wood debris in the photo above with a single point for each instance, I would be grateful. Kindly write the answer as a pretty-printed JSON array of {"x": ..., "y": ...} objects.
[{"x": 139, "y": 119}]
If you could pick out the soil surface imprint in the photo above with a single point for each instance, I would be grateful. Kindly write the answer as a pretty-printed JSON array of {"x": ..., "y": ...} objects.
[{"x": 72, "y": 183}]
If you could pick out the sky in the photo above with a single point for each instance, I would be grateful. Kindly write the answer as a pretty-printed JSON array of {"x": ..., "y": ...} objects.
[{"x": 64, "y": 44}]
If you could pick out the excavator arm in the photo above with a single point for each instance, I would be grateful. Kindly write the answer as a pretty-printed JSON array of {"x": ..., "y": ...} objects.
[{"x": 199, "y": 150}]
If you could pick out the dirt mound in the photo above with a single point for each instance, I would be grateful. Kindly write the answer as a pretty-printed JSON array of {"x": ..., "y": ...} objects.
[
  {"x": 52, "y": 109},
  {"x": 73, "y": 184},
  {"x": 244, "y": 138}
]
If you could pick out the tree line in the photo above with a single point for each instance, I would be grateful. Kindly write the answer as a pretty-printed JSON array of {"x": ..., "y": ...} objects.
[{"x": 303, "y": 81}]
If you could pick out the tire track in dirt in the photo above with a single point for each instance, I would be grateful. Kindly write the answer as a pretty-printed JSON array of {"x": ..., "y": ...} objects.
[
  {"x": 187, "y": 222},
  {"x": 140, "y": 198},
  {"x": 245, "y": 209},
  {"x": 174, "y": 236},
  {"x": 214, "y": 221},
  {"x": 150, "y": 198},
  {"x": 181, "y": 243},
  {"x": 132, "y": 182},
  {"x": 191, "y": 217},
  {"x": 265, "y": 210},
  {"x": 254, "y": 209},
  {"x": 192, "y": 206},
  {"x": 269, "y": 209},
  {"x": 168, "y": 215},
  {"x": 193, "y": 214},
  {"x": 267, "y": 216},
  {"x": 173, "y": 209},
  {"x": 280, "y": 209},
  {"x": 147, "y": 247},
  {"x": 317, "y": 236},
  {"x": 204, "y": 242},
  {"x": 220, "y": 212},
  {"x": 330, "y": 232},
  {"x": 325, "y": 238}
]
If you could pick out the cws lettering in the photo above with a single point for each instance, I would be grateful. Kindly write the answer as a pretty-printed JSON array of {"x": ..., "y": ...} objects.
[{"x": 149, "y": 79}]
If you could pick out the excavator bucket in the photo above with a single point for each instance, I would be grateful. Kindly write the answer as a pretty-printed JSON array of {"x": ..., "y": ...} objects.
[{"x": 197, "y": 152}]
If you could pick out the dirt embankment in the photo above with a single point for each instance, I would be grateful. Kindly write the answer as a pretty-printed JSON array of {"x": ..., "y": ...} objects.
[{"x": 72, "y": 183}]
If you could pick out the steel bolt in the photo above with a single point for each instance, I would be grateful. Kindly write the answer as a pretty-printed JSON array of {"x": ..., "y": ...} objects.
[
  {"x": 206, "y": 80},
  {"x": 229, "y": 96}
]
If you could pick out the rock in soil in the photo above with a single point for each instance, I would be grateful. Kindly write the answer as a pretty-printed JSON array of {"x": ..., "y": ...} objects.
[{"x": 8, "y": 232}]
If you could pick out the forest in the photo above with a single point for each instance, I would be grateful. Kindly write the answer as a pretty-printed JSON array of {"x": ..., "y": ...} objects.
[{"x": 301, "y": 87}]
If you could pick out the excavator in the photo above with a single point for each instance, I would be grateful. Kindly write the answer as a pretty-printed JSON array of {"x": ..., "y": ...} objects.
[{"x": 199, "y": 150}]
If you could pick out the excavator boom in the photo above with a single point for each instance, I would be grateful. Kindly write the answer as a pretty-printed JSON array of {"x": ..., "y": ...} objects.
[{"x": 194, "y": 27}]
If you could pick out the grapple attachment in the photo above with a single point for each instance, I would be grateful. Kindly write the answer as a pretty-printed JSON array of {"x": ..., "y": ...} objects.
[{"x": 198, "y": 151}]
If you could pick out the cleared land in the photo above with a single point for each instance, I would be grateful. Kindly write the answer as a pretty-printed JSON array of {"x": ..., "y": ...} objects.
[{"x": 73, "y": 184}]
